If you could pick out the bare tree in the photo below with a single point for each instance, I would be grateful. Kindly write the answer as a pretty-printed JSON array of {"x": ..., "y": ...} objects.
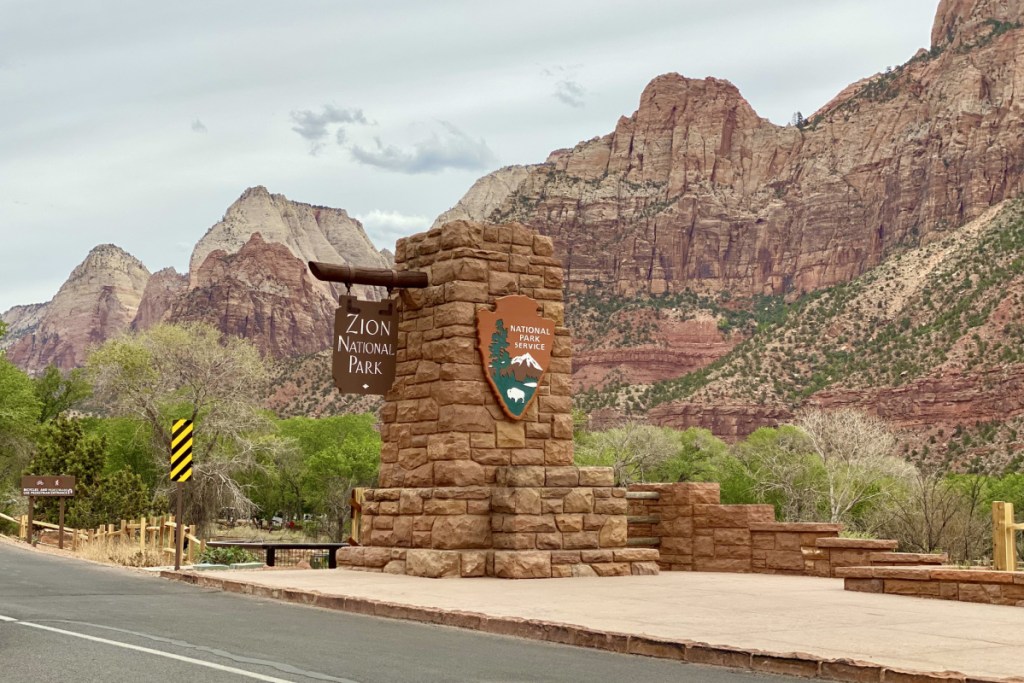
[
  {"x": 190, "y": 371},
  {"x": 857, "y": 453},
  {"x": 935, "y": 513},
  {"x": 633, "y": 451}
]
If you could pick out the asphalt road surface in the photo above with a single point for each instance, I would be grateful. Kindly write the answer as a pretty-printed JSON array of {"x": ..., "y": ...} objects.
[{"x": 71, "y": 621}]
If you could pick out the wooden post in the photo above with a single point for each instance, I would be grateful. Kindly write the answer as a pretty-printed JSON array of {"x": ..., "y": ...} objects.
[
  {"x": 1004, "y": 550},
  {"x": 179, "y": 530},
  {"x": 60, "y": 531},
  {"x": 124, "y": 530},
  {"x": 31, "y": 510},
  {"x": 142, "y": 535},
  {"x": 22, "y": 525}
]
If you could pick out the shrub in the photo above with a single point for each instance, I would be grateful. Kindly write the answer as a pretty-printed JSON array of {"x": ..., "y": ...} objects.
[{"x": 227, "y": 555}]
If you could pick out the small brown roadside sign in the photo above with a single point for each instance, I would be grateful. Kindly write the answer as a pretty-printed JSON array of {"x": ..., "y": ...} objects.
[
  {"x": 47, "y": 486},
  {"x": 365, "y": 343}
]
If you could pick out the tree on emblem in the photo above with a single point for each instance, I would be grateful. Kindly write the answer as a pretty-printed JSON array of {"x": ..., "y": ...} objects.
[{"x": 499, "y": 347}]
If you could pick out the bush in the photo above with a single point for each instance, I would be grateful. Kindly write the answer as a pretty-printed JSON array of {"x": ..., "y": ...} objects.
[{"x": 227, "y": 555}]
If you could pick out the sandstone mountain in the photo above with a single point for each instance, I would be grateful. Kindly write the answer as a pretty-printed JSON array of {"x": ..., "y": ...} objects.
[
  {"x": 696, "y": 191},
  {"x": 263, "y": 293},
  {"x": 99, "y": 301},
  {"x": 311, "y": 233},
  {"x": 930, "y": 341},
  {"x": 248, "y": 276},
  {"x": 163, "y": 288},
  {"x": 695, "y": 222}
]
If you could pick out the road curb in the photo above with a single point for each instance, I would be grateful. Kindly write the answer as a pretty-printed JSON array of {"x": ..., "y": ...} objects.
[{"x": 789, "y": 663}]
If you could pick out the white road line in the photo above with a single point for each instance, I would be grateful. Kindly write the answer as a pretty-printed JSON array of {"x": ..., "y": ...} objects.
[{"x": 147, "y": 650}]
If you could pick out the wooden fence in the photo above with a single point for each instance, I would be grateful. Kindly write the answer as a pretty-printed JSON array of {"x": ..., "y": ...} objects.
[{"x": 152, "y": 533}]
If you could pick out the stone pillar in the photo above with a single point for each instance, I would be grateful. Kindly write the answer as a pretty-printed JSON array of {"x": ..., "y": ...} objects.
[{"x": 464, "y": 489}]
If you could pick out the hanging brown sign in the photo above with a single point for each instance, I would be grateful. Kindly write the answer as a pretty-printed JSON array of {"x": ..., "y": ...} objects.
[
  {"x": 365, "y": 342},
  {"x": 515, "y": 344},
  {"x": 47, "y": 486}
]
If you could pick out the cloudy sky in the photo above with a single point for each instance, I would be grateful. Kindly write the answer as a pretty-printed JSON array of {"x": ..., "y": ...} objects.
[{"x": 137, "y": 122}]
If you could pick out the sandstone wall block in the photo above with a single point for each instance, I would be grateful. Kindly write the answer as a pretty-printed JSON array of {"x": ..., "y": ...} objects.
[{"x": 522, "y": 564}]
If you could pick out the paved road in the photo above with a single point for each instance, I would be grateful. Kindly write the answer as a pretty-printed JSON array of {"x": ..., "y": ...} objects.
[{"x": 66, "y": 620}]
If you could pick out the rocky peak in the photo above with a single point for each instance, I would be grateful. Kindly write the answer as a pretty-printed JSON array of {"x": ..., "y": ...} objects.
[
  {"x": 311, "y": 233},
  {"x": 261, "y": 292},
  {"x": 162, "y": 290},
  {"x": 108, "y": 261},
  {"x": 486, "y": 193},
  {"x": 98, "y": 301},
  {"x": 968, "y": 22}
]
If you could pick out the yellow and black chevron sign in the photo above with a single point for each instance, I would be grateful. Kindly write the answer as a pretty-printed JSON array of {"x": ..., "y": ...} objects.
[{"x": 181, "y": 450}]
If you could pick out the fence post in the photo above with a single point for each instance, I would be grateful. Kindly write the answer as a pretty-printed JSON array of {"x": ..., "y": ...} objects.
[
  {"x": 1004, "y": 549},
  {"x": 142, "y": 535}
]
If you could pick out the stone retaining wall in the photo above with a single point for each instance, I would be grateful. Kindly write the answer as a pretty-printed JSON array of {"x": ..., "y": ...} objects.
[
  {"x": 945, "y": 583},
  {"x": 695, "y": 532}
]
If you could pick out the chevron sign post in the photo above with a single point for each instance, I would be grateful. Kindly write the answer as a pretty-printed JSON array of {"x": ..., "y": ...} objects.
[{"x": 181, "y": 471}]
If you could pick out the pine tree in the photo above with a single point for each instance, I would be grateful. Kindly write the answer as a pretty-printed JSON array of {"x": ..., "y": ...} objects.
[{"x": 499, "y": 347}]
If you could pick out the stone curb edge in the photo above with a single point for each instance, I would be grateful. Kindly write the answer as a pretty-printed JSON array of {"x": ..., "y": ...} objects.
[{"x": 792, "y": 664}]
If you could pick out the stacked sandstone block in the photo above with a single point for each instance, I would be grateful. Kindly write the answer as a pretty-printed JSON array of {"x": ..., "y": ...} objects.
[
  {"x": 465, "y": 490},
  {"x": 696, "y": 533},
  {"x": 945, "y": 583},
  {"x": 673, "y": 512},
  {"x": 791, "y": 548},
  {"x": 849, "y": 552}
]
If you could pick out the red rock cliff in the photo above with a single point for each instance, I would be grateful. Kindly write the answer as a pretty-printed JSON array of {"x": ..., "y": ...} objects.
[{"x": 695, "y": 190}]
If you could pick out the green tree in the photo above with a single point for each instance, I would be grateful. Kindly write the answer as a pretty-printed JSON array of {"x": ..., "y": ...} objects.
[
  {"x": 339, "y": 453},
  {"x": 119, "y": 495},
  {"x": 699, "y": 457},
  {"x": 64, "y": 449},
  {"x": 780, "y": 469},
  {"x": 130, "y": 446},
  {"x": 191, "y": 371},
  {"x": 59, "y": 393},
  {"x": 19, "y": 413}
]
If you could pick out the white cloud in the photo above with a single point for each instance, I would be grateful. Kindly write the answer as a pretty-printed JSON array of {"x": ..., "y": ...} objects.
[
  {"x": 385, "y": 227},
  {"x": 570, "y": 93},
  {"x": 314, "y": 126},
  {"x": 447, "y": 147}
]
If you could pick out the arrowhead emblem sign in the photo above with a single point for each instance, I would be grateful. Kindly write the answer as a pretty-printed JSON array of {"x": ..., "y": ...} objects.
[{"x": 515, "y": 345}]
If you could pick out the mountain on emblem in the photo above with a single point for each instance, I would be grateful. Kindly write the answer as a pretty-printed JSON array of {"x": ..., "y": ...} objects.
[
  {"x": 515, "y": 346},
  {"x": 527, "y": 360}
]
